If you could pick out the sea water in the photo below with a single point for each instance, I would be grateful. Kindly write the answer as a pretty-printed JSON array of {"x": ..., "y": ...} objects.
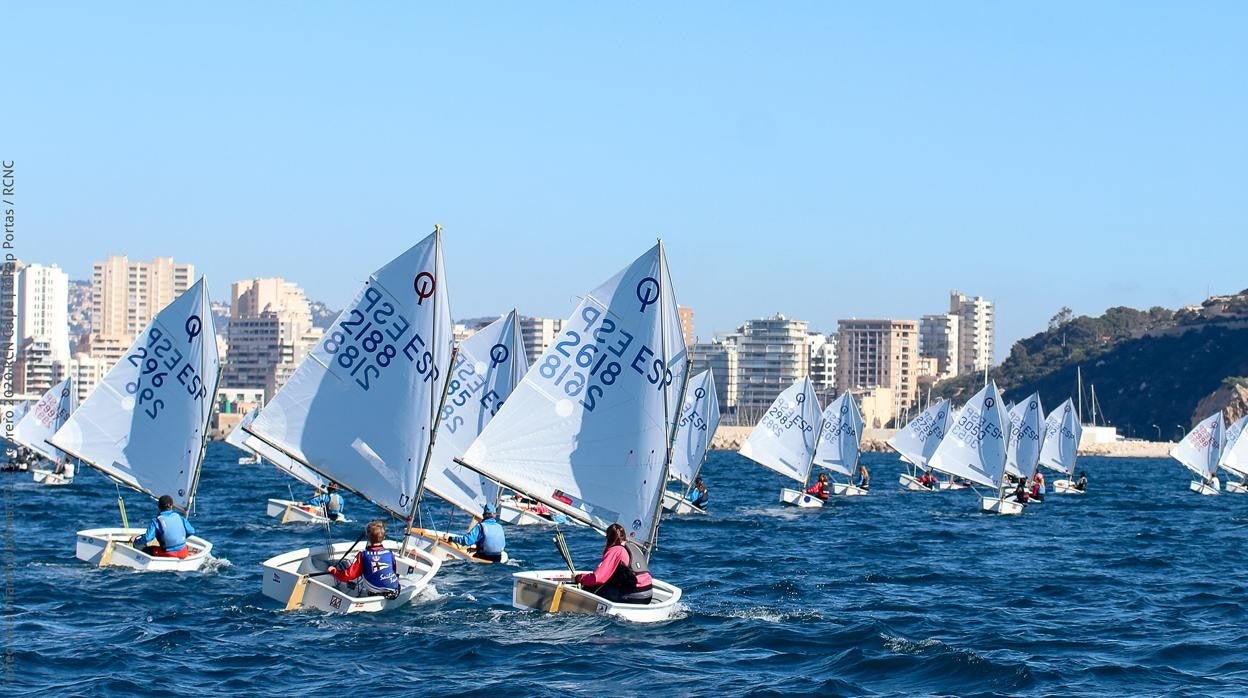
[{"x": 1135, "y": 588}]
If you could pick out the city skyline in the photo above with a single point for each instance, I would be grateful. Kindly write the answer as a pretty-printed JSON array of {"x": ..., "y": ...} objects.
[{"x": 822, "y": 161}]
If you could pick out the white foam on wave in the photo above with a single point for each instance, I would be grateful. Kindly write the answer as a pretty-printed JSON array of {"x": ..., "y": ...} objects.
[
  {"x": 215, "y": 564},
  {"x": 901, "y": 645}
]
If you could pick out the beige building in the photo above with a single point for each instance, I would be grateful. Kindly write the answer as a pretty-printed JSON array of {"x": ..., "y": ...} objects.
[
  {"x": 879, "y": 353},
  {"x": 939, "y": 340},
  {"x": 126, "y": 295},
  {"x": 976, "y": 331},
  {"x": 878, "y": 406},
  {"x": 686, "y": 324},
  {"x": 269, "y": 334}
]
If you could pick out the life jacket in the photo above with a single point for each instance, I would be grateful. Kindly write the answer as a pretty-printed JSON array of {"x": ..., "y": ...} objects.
[
  {"x": 377, "y": 565},
  {"x": 333, "y": 503},
  {"x": 493, "y": 539},
  {"x": 625, "y": 576},
  {"x": 170, "y": 531}
]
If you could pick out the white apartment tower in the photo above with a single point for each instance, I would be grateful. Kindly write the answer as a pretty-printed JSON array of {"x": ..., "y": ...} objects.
[
  {"x": 823, "y": 365},
  {"x": 42, "y": 327},
  {"x": 772, "y": 352},
  {"x": 538, "y": 333},
  {"x": 939, "y": 340},
  {"x": 720, "y": 356},
  {"x": 976, "y": 331}
]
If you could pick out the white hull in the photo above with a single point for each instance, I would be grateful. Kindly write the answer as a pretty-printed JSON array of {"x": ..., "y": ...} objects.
[
  {"x": 947, "y": 486},
  {"x": 1201, "y": 488},
  {"x": 1065, "y": 487},
  {"x": 798, "y": 498},
  {"x": 283, "y": 572},
  {"x": 847, "y": 490},
  {"x": 996, "y": 505},
  {"x": 47, "y": 477},
  {"x": 433, "y": 543},
  {"x": 911, "y": 483},
  {"x": 1236, "y": 488},
  {"x": 110, "y": 547},
  {"x": 674, "y": 503},
  {"x": 548, "y": 590},
  {"x": 290, "y": 511}
]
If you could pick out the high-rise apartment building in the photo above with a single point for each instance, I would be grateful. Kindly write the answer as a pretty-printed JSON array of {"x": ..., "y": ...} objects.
[
  {"x": 976, "y": 331},
  {"x": 772, "y": 352},
  {"x": 126, "y": 295},
  {"x": 270, "y": 333},
  {"x": 879, "y": 353},
  {"x": 823, "y": 365},
  {"x": 720, "y": 356},
  {"x": 41, "y": 334},
  {"x": 939, "y": 340},
  {"x": 538, "y": 333},
  {"x": 686, "y": 324}
]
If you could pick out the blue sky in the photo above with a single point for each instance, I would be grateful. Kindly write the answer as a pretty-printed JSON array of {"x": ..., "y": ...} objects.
[{"x": 825, "y": 160}]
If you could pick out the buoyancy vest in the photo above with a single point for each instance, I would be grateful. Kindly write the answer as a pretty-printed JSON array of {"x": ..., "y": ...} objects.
[
  {"x": 379, "y": 570},
  {"x": 493, "y": 539},
  {"x": 170, "y": 531},
  {"x": 625, "y": 576},
  {"x": 333, "y": 505}
]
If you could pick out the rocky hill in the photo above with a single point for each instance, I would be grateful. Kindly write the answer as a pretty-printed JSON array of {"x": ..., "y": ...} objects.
[{"x": 1152, "y": 369}]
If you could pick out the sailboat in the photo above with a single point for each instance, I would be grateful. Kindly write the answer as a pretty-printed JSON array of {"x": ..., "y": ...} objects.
[
  {"x": 362, "y": 411},
  {"x": 146, "y": 424},
  {"x": 40, "y": 422},
  {"x": 784, "y": 440},
  {"x": 487, "y": 368},
  {"x": 589, "y": 431},
  {"x": 1234, "y": 458},
  {"x": 697, "y": 427},
  {"x": 918, "y": 441},
  {"x": 1022, "y": 453},
  {"x": 837, "y": 449},
  {"x": 1199, "y": 452},
  {"x": 975, "y": 448},
  {"x": 288, "y": 510},
  {"x": 1060, "y": 448}
]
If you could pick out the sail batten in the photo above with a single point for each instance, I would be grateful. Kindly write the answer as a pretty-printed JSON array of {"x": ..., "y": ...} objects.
[
  {"x": 145, "y": 424},
  {"x": 784, "y": 439},
  {"x": 360, "y": 409}
]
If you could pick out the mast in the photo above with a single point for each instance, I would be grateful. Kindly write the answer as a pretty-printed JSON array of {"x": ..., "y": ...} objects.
[
  {"x": 1079, "y": 389},
  {"x": 203, "y": 435},
  {"x": 1093, "y": 404},
  {"x": 671, "y": 424}
]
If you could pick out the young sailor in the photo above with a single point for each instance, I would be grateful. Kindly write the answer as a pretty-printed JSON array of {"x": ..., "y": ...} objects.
[
  {"x": 1082, "y": 483},
  {"x": 863, "y": 480},
  {"x": 1037, "y": 486},
  {"x": 166, "y": 534},
  {"x": 373, "y": 570},
  {"x": 329, "y": 501},
  {"x": 623, "y": 575},
  {"x": 699, "y": 496},
  {"x": 928, "y": 480},
  {"x": 820, "y": 488},
  {"x": 1020, "y": 492},
  {"x": 487, "y": 536}
]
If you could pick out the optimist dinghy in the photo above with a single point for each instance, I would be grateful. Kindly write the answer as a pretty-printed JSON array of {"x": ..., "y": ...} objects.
[
  {"x": 1199, "y": 452},
  {"x": 697, "y": 427},
  {"x": 40, "y": 422},
  {"x": 1234, "y": 458},
  {"x": 1022, "y": 453},
  {"x": 608, "y": 391},
  {"x": 362, "y": 411},
  {"x": 1060, "y": 449},
  {"x": 918, "y": 441},
  {"x": 286, "y": 510},
  {"x": 975, "y": 448},
  {"x": 837, "y": 448},
  {"x": 784, "y": 440},
  {"x": 145, "y": 426}
]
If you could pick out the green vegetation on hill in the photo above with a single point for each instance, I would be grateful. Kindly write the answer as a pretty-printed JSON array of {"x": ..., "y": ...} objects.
[{"x": 1149, "y": 367}]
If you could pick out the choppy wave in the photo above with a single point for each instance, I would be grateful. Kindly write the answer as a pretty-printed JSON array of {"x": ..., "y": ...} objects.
[{"x": 1134, "y": 589}]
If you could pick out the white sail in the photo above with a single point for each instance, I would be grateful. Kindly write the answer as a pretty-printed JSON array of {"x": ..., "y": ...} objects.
[
  {"x": 1200, "y": 449},
  {"x": 360, "y": 409},
  {"x": 918, "y": 440},
  {"x": 488, "y": 367},
  {"x": 1062, "y": 431},
  {"x": 44, "y": 417},
  {"x": 784, "y": 439},
  {"x": 587, "y": 430},
  {"x": 1026, "y": 436},
  {"x": 1235, "y": 448},
  {"x": 840, "y": 433},
  {"x": 144, "y": 425},
  {"x": 974, "y": 448},
  {"x": 239, "y": 438},
  {"x": 698, "y": 421}
]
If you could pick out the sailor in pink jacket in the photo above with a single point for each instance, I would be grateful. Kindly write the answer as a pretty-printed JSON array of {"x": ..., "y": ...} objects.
[{"x": 623, "y": 574}]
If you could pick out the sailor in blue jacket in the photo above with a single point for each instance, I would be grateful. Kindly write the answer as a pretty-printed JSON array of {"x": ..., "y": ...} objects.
[
  {"x": 168, "y": 531},
  {"x": 329, "y": 501},
  {"x": 487, "y": 536}
]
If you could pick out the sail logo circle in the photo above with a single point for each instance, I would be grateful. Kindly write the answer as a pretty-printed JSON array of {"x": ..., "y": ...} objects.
[
  {"x": 648, "y": 292},
  {"x": 801, "y": 398},
  {"x": 989, "y": 402},
  {"x": 193, "y": 327},
  {"x": 499, "y": 353},
  {"x": 699, "y": 393},
  {"x": 424, "y": 284},
  {"x": 1032, "y": 404},
  {"x": 844, "y": 409}
]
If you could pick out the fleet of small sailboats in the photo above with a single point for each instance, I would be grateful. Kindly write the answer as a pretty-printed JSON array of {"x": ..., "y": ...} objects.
[
  {"x": 784, "y": 440},
  {"x": 39, "y": 422}
]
